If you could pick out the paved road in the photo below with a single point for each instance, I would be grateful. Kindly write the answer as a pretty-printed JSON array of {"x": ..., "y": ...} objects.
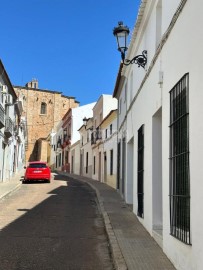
[{"x": 54, "y": 226}]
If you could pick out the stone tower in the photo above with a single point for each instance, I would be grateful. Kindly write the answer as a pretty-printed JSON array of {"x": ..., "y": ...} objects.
[{"x": 43, "y": 109}]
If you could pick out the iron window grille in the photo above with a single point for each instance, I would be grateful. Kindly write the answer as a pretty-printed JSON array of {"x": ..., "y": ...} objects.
[
  {"x": 179, "y": 161},
  {"x": 111, "y": 129},
  {"x": 140, "y": 173}
]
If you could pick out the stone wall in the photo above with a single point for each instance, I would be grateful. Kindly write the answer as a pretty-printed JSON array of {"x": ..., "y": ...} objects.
[{"x": 39, "y": 124}]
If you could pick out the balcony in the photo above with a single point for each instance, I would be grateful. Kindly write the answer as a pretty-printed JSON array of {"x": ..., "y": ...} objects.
[
  {"x": 59, "y": 145},
  {"x": 8, "y": 127},
  {"x": 93, "y": 138},
  {"x": 98, "y": 134},
  {"x": 2, "y": 116},
  {"x": 19, "y": 107}
]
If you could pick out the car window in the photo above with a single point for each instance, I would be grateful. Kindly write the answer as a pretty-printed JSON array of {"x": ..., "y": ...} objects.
[{"x": 37, "y": 165}]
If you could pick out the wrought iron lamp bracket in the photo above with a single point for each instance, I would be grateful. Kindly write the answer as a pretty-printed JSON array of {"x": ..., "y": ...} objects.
[{"x": 140, "y": 60}]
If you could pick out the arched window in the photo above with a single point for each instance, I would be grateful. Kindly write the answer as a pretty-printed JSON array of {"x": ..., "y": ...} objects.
[{"x": 43, "y": 108}]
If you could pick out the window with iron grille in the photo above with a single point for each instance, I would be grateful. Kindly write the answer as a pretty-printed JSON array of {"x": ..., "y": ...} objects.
[
  {"x": 140, "y": 173},
  {"x": 179, "y": 161},
  {"x": 111, "y": 129}
]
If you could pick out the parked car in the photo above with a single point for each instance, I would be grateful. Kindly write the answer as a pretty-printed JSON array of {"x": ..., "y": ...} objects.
[{"x": 37, "y": 170}]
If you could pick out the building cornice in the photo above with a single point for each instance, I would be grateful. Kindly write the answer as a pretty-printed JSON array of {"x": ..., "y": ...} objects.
[{"x": 44, "y": 90}]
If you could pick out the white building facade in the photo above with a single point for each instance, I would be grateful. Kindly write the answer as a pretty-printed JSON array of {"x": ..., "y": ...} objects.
[
  {"x": 75, "y": 157},
  {"x": 87, "y": 162},
  {"x": 109, "y": 145},
  {"x": 12, "y": 129},
  {"x": 163, "y": 139},
  {"x": 104, "y": 105},
  {"x": 66, "y": 139}
]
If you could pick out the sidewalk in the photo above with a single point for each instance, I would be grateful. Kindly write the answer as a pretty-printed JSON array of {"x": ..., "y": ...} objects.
[
  {"x": 131, "y": 245},
  {"x": 10, "y": 185}
]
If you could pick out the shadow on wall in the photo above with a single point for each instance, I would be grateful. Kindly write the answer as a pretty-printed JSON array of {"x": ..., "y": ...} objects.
[{"x": 34, "y": 154}]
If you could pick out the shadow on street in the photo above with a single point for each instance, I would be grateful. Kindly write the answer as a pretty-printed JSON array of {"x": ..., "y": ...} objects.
[{"x": 65, "y": 231}]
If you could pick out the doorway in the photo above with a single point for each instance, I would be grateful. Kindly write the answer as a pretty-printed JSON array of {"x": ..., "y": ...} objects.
[
  {"x": 130, "y": 172},
  {"x": 123, "y": 166},
  {"x": 99, "y": 166},
  {"x": 157, "y": 204},
  {"x": 105, "y": 167}
]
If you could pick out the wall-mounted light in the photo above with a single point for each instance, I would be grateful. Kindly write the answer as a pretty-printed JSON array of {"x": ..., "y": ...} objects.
[
  {"x": 59, "y": 143},
  {"x": 121, "y": 33},
  {"x": 65, "y": 132},
  {"x": 85, "y": 119}
]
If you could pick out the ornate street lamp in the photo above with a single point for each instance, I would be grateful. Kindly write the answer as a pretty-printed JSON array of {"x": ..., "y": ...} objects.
[
  {"x": 85, "y": 121},
  {"x": 64, "y": 134},
  {"x": 121, "y": 33}
]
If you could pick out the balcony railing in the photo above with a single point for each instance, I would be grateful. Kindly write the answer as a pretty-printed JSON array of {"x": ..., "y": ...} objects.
[
  {"x": 2, "y": 116},
  {"x": 93, "y": 139},
  {"x": 98, "y": 134},
  {"x": 8, "y": 127}
]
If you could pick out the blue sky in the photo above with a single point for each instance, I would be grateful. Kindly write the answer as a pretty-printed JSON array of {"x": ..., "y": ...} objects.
[{"x": 67, "y": 45}]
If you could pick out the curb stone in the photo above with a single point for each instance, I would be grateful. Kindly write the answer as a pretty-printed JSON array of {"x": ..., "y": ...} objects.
[
  {"x": 7, "y": 193},
  {"x": 117, "y": 256}
]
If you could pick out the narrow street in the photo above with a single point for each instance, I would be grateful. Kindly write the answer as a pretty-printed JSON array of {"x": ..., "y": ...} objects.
[{"x": 53, "y": 226}]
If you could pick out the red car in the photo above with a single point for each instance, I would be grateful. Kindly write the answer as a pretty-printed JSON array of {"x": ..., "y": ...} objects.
[{"x": 37, "y": 170}]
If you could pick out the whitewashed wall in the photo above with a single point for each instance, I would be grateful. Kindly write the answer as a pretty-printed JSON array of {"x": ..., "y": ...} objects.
[
  {"x": 104, "y": 105},
  {"x": 180, "y": 54},
  {"x": 110, "y": 144},
  {"x": 77, "y": 119},
  {"x": 75, "y": 157},
  {"x": 183, "y": 47}
]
